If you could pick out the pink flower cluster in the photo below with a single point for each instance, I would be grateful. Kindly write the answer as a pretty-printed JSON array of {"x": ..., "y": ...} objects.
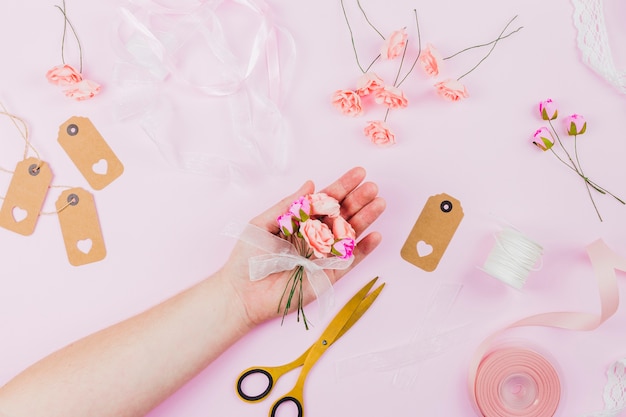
[
  {"x": 78, "y": 87},
  {"x": 316, "y": 219}
]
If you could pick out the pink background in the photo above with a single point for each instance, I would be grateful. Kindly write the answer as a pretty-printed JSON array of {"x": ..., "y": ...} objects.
[{"x": 162, "y": 226}]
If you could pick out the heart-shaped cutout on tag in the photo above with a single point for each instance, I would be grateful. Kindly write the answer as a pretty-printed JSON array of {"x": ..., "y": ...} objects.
[
  {"x": 424, "y": 249},
  {"x": 19, "y": 214},
  {"x": 84, "y": 245},
  {"x": 101, "y": 167}
]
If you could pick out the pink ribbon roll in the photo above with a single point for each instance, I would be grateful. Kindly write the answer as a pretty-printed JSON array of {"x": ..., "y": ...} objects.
[{"x": 514, "y": 382}]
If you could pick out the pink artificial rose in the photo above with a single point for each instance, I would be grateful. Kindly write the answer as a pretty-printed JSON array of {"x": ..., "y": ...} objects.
[
  {"x": 378, "y": 132},
  {"x": 430, "y": 60},
  {"x": 83, "y": 90},
  {"x": 348, "y": 102},
  {"x": 318, "y": 236},
  {"x": 343, "y": 229},
  {"x": 451, "y": 90},
  {"x": 324, "y": 205},
  {"x": 543, "y": 139},
  {"x": 369, "y": 83},
  {"x": 301, "y": 208},
  {"x": 394, "y": 45},
  {"x": 391, "y": 97},
  {"x": 343, "y": 248},
  {"x": 286, "y": 223},
  {"x": 576, "y": 125},
  {"x": 548, "y": 110},
  {"x": 64, "y": 75}
]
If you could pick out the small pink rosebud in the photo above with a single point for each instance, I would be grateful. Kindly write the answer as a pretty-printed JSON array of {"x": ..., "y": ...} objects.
[
  {"x": 343, "y": 248},
  {"x": 286, "y": 223},
  {"x": 301, "y": 209},
  {"x": 430, "y": 60},
  {"x": 369, "y": 83},
  {"x": 548, "y": 110},
  {"x": 379, "y": 134},
  {"x": 576, "y": 125},
  {"x": 543, "y": 139},
  {"x": 394, "y": 45},
  {"x": 347, "y": 102},
  {"x": 324, "y": 205}
]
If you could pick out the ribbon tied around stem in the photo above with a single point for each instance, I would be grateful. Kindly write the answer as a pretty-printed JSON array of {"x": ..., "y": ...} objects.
[{"x": 281, "y": 255}]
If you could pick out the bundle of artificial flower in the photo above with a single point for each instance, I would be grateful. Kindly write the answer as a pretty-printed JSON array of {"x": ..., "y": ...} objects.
[
  {"x": 574, "y": 125},
  {"x": 314, "y": 225}
]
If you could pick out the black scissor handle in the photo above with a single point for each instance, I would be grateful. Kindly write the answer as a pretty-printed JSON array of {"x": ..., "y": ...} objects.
[
  {"x": 283, "y": 400},
  {"x": 270, "y": 384}
]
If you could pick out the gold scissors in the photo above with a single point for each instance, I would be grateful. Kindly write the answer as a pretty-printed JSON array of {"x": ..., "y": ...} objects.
[{"x": 341, "y": 323}]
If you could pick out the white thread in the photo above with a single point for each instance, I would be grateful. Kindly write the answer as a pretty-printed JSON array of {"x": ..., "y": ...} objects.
[{"x": 513, "y": 258}]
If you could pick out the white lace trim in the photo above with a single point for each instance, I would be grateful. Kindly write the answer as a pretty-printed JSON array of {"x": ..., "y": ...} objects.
[
  {"x": 614, "y": 391},
  {"x": 593, "y": 41}
]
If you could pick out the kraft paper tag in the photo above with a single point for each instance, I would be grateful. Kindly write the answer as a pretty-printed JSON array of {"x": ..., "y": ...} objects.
[
  {"x": 89, "y": 151},
  {"x": 25, "y": 197},
  {"x": 80, "y": 227},
  {"x": 432, "y": 232}
]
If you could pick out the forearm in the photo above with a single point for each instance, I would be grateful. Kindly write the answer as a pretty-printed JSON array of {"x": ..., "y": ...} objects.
[{"x": 129, "y": 368}]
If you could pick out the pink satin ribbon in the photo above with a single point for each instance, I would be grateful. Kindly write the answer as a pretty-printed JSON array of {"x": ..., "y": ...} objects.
[{"x": 492, "y": 372}]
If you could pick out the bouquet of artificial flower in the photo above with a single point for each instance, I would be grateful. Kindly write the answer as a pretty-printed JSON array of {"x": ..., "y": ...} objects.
[{"x": 314, "y": 226}]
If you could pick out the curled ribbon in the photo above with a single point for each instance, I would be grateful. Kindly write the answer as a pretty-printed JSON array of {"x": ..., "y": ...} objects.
[
  {"x": 168, "y": 44},
  {"x": 282, "y": 256},
  {"x": 486, "y": 396}
]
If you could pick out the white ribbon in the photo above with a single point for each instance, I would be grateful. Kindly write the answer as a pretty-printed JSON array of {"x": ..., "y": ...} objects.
[
  {"x": 614, "y": 391},
  {"x": 182, "y": 44},
  {"x": 281, "y": 256}
]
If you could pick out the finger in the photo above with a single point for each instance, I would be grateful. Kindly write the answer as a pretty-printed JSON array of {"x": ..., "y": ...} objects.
[
  {"x": 267, "y": 219},
  {"x": 361, "y": 251},
  {"x": 345, "y": 184},
  {"x": 357, "y": 199}
]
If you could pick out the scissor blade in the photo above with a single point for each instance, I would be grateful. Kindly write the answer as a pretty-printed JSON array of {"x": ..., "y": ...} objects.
[{"x": 362, "y": 308}]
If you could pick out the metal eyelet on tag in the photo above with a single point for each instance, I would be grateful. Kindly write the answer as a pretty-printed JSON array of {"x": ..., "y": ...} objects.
[
  {"x": 432, "y": 232},
  {"x": 80, "y": 227},
  {"x": 89, "y": 151},
  {"x": 25, "y": 197}
]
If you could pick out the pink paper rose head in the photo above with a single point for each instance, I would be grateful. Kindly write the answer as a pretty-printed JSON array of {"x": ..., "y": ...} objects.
[
  {"x": 343, "y": 248},
  {"x": 64, "y": 75},
  {"x": 318, "y": 236},
  {"x": 324, "y": 205},
  {"x": 343, "y": 229},
  {"x": 548, "y": 110},
  {"x": 286, "y": 223},
  {"x": 301, "y": 209},
  {"x": 378, "y": 132},
  {"x": 452, "y": 90},
  {"x": 391, "y": 97},
  {"x": 347, "y": 102},
  {"x": 394, "y": 45},
  {"x": 543, "y": 139},
  {"x": 83, "y": 90},
  {"x": 369, "y": 83},
  {"x": 576, "y": 124},
  {"x": 430, "y": 60}
]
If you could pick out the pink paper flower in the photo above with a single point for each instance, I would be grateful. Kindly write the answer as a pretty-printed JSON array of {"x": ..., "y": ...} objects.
[
  {"x": 301, "y": 208},
  {"x": 576, "y": 124},
  {"x": 430, "y": 60},
  {"x": 343, "y": 229},
  {"x": 394, "y": 45},
  {"x": 348, "y": 102},
  {"x": 378, "y": 132},
  {"x": 318, "y": 236},
  {"x": 64, "y": 75},
  {"x": 286, "y": 223},
  {"x": 543, "y": 139},
  {"x": 452, "y": 90},
  {"x": 343, "y": 248},
  {"x": 83, "y": 90},
  {"x": 391, "y": 97},
  {"x": 369, "y": 83},
  {"x": 324, "y": 205},
  {"x": 548, "y": 110}
]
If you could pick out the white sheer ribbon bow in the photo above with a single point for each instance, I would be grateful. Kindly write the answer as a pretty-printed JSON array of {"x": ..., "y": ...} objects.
[{"x": 282, "y": 256}]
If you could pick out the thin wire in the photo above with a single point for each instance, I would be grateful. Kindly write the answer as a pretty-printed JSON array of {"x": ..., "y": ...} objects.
[{"x": 67, "y": 22}]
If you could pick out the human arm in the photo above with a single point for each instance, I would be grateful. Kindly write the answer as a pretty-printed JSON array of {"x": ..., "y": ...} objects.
[{"x": 129, "y": 368}]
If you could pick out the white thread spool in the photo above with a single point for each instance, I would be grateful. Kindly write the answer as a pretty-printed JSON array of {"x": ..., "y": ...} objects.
[{"x": 513, "y": 258}]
